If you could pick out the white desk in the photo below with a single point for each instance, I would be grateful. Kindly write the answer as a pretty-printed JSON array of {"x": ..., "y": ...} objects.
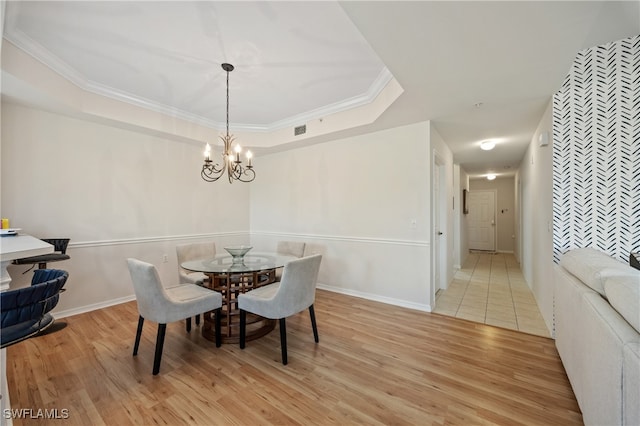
[{"x": 17, "y": 247}]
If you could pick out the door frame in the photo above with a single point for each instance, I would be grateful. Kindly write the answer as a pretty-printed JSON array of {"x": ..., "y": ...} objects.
[{"x": 439, "y": 220}]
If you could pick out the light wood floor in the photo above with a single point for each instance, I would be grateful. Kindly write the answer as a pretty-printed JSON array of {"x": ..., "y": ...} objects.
[{"x": 375, "y": 364}]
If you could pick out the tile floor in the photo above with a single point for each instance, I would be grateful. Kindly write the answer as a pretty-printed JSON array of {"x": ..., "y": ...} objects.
[{"x": 490, "y": 289}]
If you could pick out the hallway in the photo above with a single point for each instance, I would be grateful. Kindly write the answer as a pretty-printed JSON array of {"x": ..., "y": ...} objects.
[{"x": 490, "y": 289}]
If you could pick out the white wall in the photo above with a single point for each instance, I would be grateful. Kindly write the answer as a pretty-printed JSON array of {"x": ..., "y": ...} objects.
[
  {"x": 517, "y": 251},
  {"x": 355, "y": 199},
  {"x": 116, "y": 193},
  {"x": 119, "y": 193},
  {"x": 457, "y": 216},
  {"x": 462, "y": 239},
  {"x": 535, "y": 174}
]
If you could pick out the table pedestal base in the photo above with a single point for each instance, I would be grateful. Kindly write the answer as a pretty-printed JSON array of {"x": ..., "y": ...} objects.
[
  {"x": 256, "y": 328},
  {"x": 230, "y": 285}
]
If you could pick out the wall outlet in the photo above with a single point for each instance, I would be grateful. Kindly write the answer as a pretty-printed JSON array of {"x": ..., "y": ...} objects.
[{"x": 165, "y": 258}]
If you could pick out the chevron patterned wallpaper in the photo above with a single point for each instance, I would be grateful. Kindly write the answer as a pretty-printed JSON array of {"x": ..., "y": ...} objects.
[{"x": 596, "y": 152}]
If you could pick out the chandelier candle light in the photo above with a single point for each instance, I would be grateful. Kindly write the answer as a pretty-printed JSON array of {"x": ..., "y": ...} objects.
[{"x": 230, "y": 162}]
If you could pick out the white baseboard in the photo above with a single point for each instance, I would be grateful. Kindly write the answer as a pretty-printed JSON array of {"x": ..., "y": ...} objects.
[
  {"x": 362, "y": 295},
  {"x": 376, "y": 298},
  {"x": 93, "y": 307}
]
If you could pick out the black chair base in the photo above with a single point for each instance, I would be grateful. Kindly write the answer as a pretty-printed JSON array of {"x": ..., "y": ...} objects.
[
  {"x": 162, "y": 328},
  {"x": 23, "y": 331},
  {"x": 283, "y": 332},
  {"x": 188, "y": 320}
]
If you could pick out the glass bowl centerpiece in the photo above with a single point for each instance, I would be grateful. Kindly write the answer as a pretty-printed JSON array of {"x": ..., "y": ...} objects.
[{"x": 238, "y": 252}]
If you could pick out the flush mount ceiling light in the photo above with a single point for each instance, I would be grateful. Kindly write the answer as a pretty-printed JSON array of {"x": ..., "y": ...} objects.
[
  {"x": 491, "y": 176},
  {"x": 230, "y": 162},
  {"x": 487, "y": 145}
]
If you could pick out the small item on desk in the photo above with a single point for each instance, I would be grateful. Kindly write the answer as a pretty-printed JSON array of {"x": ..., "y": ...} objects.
[{"x": 5, "y": 231}]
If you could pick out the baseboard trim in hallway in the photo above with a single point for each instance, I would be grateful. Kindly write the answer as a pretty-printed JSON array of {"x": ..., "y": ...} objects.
[{"x": 490, "y": 289}]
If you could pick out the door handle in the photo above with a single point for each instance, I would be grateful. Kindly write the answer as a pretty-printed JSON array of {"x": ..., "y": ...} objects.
[{"x": 439, "y": 233}]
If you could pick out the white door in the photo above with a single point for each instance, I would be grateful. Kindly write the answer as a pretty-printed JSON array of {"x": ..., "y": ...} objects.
[{"x": 482, "y": 220}]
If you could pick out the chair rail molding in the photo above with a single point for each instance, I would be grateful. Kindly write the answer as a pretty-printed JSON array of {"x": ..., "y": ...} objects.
[
  {"x": 343, "y": 238},
  {"x": 144, "y": 240}
]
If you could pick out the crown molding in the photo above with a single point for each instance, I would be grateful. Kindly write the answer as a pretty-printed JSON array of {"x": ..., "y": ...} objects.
[
  {"x": 123, "y": 96},
  {"x": 44, "y": 56},
  {"x": 366, "y": 98},
  {"x": 57, "y": 65}
]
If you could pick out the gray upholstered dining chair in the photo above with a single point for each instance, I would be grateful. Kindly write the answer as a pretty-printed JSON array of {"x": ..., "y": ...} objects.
[
  {"x": 289, "y": 248},
  {"x": 294, "y": 293},
  {"x": 164, "y": 305},
  {"x": 194, "y": 251}
]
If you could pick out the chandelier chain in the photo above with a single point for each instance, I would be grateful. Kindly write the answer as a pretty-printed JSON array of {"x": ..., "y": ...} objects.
[{"x": 227, "y": 102}]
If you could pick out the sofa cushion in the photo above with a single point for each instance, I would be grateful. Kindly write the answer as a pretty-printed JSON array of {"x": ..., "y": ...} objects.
[
  {"x": 602, "y": 335},
  {"x": 623, "y": 294},
  {"x": 593, "y": 267},
  {"x": 630, "y": 388}
]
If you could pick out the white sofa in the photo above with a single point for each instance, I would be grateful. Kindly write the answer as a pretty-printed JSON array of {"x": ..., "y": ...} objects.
[{"x": 597, "y": 330}]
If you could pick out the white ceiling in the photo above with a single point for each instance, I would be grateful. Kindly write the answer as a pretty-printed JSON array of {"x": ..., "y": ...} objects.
[{"x": 300, "y": 60}]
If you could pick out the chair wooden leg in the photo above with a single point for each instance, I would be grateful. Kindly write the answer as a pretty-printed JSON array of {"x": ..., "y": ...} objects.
[
  {"x": 283, "y": 340},
  {"x": 198, "y": 319},
  {"x": 243, "y": 328},
  {"x": 312, "y": 314},
  {"x": 218, "y": 314},
  {"x": 138, "y": 334},
  {"x": 162, "y": 328},
  {"x": 188, "y": 324}
]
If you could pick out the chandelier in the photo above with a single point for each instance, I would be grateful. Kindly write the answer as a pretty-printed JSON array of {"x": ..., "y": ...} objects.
[{"x": 231, "y": 162}]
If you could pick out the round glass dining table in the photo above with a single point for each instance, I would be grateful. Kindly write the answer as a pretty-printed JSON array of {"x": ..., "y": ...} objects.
[
  {"x": 252, "y": 262},
  {"x": 232, "y": 278}
]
